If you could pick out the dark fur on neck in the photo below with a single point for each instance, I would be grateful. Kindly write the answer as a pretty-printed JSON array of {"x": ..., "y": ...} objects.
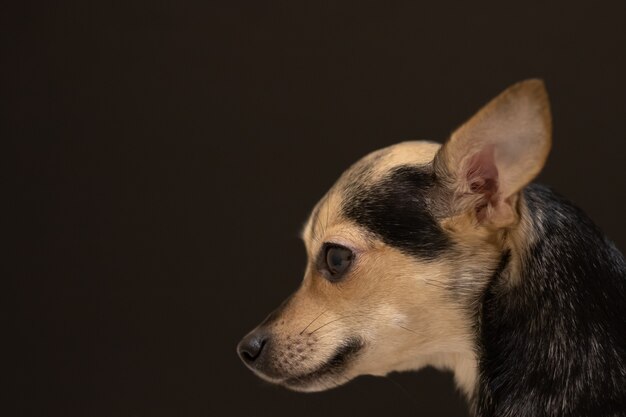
[{"x": 554, "y": 343}]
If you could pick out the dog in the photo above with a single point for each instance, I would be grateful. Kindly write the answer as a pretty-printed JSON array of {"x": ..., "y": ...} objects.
[{"x": 446, "y": 255}]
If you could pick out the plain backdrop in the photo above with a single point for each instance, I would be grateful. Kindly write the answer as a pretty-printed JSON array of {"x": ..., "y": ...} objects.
[{"x": 162, "y": 157}]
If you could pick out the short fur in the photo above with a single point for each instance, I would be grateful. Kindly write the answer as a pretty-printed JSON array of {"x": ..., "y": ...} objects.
[{"x": 460, "y": 264}]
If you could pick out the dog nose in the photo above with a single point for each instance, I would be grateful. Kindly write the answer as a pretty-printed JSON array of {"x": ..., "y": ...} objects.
[{"x": 251, "y": 346}]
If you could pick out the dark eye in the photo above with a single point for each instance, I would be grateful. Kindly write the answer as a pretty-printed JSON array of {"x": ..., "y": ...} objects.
[{"x": 338, "y": 260}]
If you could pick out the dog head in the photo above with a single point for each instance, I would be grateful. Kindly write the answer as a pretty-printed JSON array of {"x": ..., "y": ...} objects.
[{"x": 400, "y": 248}]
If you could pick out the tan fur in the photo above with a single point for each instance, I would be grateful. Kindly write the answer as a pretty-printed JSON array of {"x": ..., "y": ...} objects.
[
  {"x": 386, "y": 298},
  {"x": 517, "y": 124},
  {"x": 388, "y": 294},
  {"x": 402, "y": 306}
]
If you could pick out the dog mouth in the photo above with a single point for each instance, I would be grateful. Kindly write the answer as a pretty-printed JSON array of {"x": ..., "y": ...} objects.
[{"x": 337, "y": 363}]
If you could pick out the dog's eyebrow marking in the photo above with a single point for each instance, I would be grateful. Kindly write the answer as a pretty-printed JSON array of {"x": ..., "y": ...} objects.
[
  {"x": 396, "y": 208},
  {"x": 360, "y": 171}
]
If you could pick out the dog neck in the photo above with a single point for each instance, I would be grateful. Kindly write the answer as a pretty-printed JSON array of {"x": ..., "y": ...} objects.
[{"x": 545, "y": 316}]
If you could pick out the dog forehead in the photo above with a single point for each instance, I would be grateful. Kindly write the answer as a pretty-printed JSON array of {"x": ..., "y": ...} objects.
[
  {"x": 386, "y": 193},
  {"x": 417, "y": 152},
  {"x": 378, "y": 163},
  {"x": 368, "y": 169}
]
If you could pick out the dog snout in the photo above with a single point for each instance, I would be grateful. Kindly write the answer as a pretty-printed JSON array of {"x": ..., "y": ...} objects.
[{"x": 250, "y": 348}]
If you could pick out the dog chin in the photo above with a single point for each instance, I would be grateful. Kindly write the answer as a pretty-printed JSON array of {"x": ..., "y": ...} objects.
[
  {"x": 321, "y": 384},
  {"x": 331, "y": 374},
  {"x": 310, "y": 382}
]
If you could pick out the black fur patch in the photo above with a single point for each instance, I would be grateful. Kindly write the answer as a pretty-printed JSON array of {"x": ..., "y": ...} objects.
[
  {"x": 396, "y": 210},
  {"x": 555, "y": 345}
]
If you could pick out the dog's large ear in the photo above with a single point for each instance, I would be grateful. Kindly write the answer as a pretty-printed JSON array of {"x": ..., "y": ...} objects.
[{"x": 489, "y": 159}]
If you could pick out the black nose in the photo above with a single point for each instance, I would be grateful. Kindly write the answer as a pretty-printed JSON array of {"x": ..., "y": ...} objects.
[{"x": 251, "y": 346}]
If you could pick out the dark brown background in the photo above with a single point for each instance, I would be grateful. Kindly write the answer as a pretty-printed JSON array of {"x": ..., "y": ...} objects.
[{"x": 163, "y": 156}]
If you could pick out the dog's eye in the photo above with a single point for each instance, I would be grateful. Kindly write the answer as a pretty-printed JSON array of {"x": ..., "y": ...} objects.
[{"x": 338, "y": 259}]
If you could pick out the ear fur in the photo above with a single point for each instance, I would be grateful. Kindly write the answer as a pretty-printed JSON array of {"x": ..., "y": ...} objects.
[{"x": 493, "y": 156}]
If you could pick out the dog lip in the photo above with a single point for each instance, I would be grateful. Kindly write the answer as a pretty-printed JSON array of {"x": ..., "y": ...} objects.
[{"x": 342, "y": 356}]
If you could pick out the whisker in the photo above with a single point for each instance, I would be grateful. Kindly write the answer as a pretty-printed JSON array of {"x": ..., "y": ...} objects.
[
  {"x": 406, "y": 328},
  {"x": 307, "y": 326},
  {"x": 442, "y": 286},
  {"x": 332, "y": 321}
]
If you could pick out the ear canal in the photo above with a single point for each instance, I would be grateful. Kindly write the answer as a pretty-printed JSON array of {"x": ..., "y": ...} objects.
[{"x": 493, "y": 156}]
